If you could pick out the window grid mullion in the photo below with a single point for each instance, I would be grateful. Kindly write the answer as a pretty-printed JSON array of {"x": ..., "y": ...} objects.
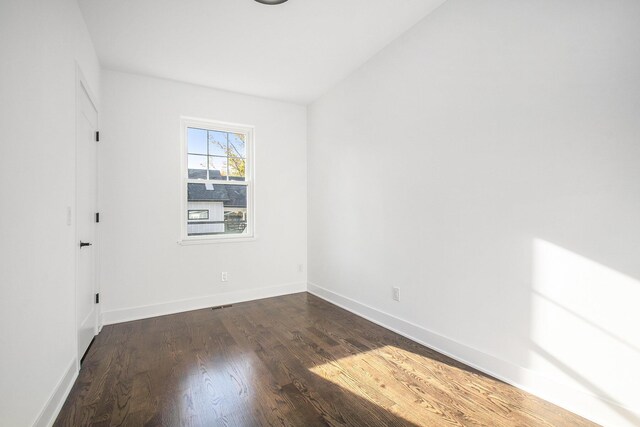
[
  {"x": 208, "y": 176},
  {"x": 226, "y": 152},
  {"x": 216, "y": 181}
]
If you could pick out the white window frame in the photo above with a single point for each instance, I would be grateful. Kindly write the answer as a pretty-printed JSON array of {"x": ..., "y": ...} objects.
[{"x": 249, "y": 182}]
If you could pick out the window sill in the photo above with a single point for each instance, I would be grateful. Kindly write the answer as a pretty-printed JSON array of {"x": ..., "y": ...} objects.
[{"x": 204, "y": 241}]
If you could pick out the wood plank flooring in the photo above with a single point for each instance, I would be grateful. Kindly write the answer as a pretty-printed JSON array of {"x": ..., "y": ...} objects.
[{"x": 294, "y": 360}]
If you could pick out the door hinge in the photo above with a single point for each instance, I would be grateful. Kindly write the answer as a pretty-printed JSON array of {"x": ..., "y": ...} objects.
[
  {"x": 97, "y": 216},
  {"x": 97, "y": 136},
  {"x": 98, "y": 298}
]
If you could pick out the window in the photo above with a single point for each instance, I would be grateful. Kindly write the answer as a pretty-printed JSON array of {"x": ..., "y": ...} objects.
[
  {"x": 198, "y": 214},
  {"x": 217, "y": 180}
]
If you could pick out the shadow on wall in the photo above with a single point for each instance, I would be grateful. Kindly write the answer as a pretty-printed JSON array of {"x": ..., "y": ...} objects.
[
  {"x": 627, "y": 414},
  {"x": 584, "y": 327}
]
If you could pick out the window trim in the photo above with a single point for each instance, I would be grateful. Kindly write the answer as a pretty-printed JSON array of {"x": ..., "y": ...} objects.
[{"x": 249, "y": 182}]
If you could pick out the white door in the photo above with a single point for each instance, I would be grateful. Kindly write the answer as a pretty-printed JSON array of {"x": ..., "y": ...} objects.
[{"x": 86, "y": 204}]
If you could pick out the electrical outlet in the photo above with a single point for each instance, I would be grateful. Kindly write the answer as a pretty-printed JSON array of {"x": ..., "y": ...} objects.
[
  {"x": 396, "y": 294},
  {"x": 224, "y": 276}
]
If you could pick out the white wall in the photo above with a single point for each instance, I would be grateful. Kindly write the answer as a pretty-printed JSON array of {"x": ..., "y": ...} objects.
[
  {"x": 40, "y": 42},
  {"x": 143, "y": 269},
  {"x": 488, "y": 164}
]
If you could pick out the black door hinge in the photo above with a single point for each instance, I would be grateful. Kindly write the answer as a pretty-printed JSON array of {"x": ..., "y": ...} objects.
[
  {"x": 98, "y": 298},
  {"x": 97, "y": 216},
  {"x": 97, "y": 136}
]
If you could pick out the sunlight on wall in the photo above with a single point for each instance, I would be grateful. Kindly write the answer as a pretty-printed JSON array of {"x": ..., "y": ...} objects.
[{"x": 584, "y": 324}]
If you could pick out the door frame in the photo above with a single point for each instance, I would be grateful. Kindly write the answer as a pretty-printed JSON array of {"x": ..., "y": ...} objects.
[{"x": 82, "y": 85}]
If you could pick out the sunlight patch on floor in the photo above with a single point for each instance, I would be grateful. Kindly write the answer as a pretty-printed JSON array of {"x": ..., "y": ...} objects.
[{"x": 420, "y": 391}]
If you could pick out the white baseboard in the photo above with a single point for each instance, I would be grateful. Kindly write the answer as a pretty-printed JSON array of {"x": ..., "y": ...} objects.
[
  {"x": 154, "y": 310},
  {"x": 590, "y": 406},
  {"x": 53, "y": 406}
]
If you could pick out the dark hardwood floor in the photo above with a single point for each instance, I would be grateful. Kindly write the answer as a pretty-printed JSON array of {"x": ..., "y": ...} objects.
[{"x": 294, "y": 360}]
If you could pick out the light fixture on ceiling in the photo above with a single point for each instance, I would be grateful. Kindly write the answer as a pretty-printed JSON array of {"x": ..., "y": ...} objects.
[{"x": 271, "y": 1}]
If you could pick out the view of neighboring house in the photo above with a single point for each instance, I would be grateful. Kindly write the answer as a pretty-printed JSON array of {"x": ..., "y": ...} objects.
[{"x": 215, "y": 208}]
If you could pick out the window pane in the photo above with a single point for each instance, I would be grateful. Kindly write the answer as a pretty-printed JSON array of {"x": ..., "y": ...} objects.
[
  {"x": 217, "y": 167},
  {"x": 198, "y": 214},
  {"x": 216, "y": 209},
  {"x": 197, "y": 141},
  {"x": 235, "y": 209},
  {"x": 197, "y": 167},
  {"x": 236, "y": 169},
  {"x": 217, "y": 143},
  {"x": 236, "y": 145}
]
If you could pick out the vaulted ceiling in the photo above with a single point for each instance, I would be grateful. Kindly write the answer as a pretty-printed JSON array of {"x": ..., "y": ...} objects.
[{"x": 293, "y": 52}]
